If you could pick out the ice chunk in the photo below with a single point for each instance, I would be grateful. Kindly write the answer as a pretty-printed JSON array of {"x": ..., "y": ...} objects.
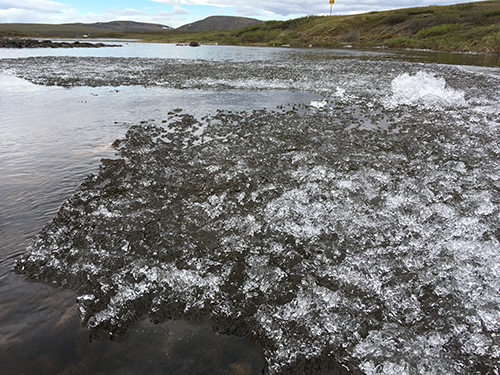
[{"x": 424, "y": 89}]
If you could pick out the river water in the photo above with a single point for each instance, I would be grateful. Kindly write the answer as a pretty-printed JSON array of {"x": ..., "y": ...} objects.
[{"x": 336, "y": 208}]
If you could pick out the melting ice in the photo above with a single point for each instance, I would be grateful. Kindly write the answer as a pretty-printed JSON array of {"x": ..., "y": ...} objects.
[
  {"x": 317, "y": 238},
  {"x": 426, "y": 90}
]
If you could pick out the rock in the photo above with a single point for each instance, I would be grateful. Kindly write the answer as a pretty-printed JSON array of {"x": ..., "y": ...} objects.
[
  {"x": 241, "y": 368},
  {"x": 33, "y": 43},
  {"x": 194, "y": 44}
]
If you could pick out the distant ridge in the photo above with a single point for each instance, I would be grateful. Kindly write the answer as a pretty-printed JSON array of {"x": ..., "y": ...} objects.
[
  {"x": 78, "y": 30},
  {"x": 219, "y": 23},
  {"x": 123, "y": 26}
]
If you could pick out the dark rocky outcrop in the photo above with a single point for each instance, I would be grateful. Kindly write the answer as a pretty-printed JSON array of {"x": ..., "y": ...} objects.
[{"x": 34, "y": 43}]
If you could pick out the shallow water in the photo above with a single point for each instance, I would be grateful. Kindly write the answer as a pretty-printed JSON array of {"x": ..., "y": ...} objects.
[
  {"x": 241, "y": 54},
  {"x": 52, "y": 137}
]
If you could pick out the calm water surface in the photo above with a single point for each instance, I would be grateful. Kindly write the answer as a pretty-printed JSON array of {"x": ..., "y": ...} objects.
[
  {"x": 50, "y": 139},
  {"x": 237, "y": 54}
]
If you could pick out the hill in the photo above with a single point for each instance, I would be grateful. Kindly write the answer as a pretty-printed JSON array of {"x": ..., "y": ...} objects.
[
  {"x": 219, "y": 23},
  {"x": 123, "y": 26},
  {"x": 467, "y": 27},
  {"x": 115, "y": 29}
]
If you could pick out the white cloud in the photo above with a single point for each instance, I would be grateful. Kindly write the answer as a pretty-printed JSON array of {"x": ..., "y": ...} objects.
[
  {"x": 219, "y": 3},
  {"x": 31, "y": 10},
  {"x": 177, "y": 11},
  {"x": 247, "y": 11},
  {"x": 161, "y": 17},
  {"x": 125, "y": 12},
  {"x": 39, "y": 5},
  {"x": 173, "y": 19},
  {"x": 47, "y": 11},
  {"x": 307, "y": 7}
]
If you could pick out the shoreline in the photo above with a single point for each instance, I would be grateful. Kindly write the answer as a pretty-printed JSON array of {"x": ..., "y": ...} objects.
[
  {"x": 34, "y": 43},
  {"x": 380, "y": 47}
]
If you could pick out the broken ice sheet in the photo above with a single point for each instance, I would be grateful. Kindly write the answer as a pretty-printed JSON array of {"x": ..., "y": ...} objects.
[{"x": 319, "y": 242}]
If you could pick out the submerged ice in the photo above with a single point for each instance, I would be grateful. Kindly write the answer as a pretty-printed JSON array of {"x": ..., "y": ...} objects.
[{"x": 360, "y": 229}]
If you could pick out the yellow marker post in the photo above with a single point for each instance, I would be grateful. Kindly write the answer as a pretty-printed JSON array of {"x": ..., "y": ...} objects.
[{"x": 331, "y": 3}]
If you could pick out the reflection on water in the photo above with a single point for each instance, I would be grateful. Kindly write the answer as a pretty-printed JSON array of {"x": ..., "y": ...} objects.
[
  {"x": 239, "y": 54},
  {"x": 50, "y": 342},
  {"x": 406, "y": 55},
  {"x": 50, "y": 139}
]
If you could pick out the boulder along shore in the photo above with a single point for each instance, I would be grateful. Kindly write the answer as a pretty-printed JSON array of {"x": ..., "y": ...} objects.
[{"x": 33, "y": 43}]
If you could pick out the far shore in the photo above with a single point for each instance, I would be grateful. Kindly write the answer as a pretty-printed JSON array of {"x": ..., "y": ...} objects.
[
  {"x": 34, "y": 43},
  {"x": 472, "y": 27}
]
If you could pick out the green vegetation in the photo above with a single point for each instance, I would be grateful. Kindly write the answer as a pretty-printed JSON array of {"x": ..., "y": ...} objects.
[
  {"x": 462, "y": 27},
  {"x": 264, "y": 34},
  {"x": 437, "y": 30}
]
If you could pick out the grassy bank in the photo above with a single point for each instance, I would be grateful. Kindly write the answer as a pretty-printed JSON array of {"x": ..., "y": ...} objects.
[{"x": 463, "y": 27}]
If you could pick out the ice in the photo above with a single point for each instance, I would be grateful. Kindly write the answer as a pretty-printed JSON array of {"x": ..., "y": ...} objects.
[
  {"x": 318, "y": 104},
  {"x": 319, "y": 238},
  {"x": 424, "y": 89}
]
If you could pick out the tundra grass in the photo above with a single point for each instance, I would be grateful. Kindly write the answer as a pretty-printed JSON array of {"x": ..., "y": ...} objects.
[{"x": 472, "y": 27}]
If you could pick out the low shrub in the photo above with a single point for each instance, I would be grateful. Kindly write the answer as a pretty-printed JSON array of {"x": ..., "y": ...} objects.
[
  {"x": 417, "y": 11},
  {"x": 477, "y": 33},
  {"x": 492, "y": 42},
  {"x": 395, "y": 19},
  {"x": 471, "y": 18},
  {"x": 401, "y": 42},
  {"x": 465, "y": 6},
  {"x": 437, "y": 30},
  {"x": 349, "y": 37},
  {"x": 297, "y": 22},
  {"x": 256, "y": 36},
  {"x": 492, "y": 14}
]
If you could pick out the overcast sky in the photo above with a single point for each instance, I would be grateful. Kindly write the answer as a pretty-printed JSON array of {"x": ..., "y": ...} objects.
[{"x": 175, "y": 13}]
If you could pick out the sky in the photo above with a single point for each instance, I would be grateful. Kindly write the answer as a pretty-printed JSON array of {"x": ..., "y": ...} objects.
[{"x": 175, "y": 13}]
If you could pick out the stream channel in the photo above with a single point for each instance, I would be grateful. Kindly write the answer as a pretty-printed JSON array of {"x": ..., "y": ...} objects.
[{"x": 239, "y": 210}]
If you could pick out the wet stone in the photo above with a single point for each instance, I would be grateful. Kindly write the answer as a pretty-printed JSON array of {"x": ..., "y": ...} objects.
[{"x": 34, "y": 43}]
